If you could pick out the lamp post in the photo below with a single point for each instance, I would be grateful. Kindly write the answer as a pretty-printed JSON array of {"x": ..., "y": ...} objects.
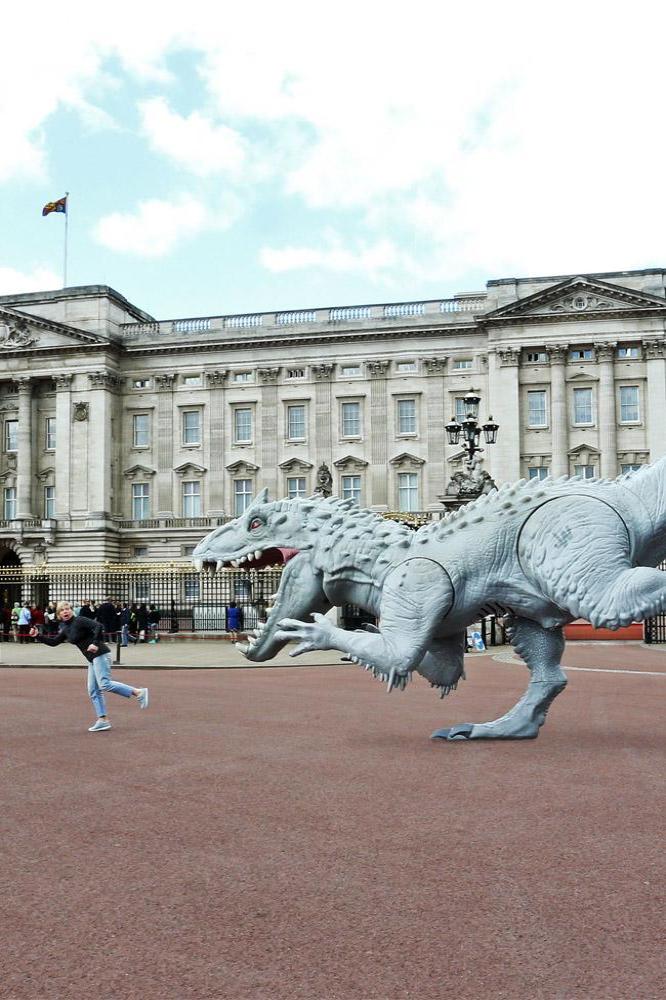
[{"x": 470, "y": 431}]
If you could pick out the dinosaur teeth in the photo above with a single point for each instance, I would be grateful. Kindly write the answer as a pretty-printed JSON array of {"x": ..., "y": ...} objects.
[
  {"x": 198, "y": 564},
  {"x": 257, "y": 553},
  {"x": 234, "y": 563},
  {"x": 219, "y": 565}
]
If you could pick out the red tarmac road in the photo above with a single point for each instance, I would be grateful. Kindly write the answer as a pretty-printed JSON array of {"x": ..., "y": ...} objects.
[{"x": 295, "y": 835}]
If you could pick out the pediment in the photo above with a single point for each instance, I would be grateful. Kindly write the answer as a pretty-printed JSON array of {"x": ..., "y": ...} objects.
[
  {"x": 189, "y": 469},
  {"x": 46, "y": 474},
  {"x": 405, "y": 460},
  {"x": 351, "y": 462},
  {"x": 296, "y": 465},
  {"x": 138, "y": 471},
  {"x": 578, "y": 297},
  {"x": 21, "y": 331},
  {"x": 579, "y": 449},
  {"x": 242, "y": 467},
  {"x": 583, "y": 376}
]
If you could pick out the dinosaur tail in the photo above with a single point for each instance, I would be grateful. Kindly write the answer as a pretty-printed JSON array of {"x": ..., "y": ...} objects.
[{"x": 649, "y": 486}]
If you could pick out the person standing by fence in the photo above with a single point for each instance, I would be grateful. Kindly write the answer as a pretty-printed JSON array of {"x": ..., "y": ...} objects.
[
  {"x": 108, "y": 619},
  {"x": 86, "y": 634}
]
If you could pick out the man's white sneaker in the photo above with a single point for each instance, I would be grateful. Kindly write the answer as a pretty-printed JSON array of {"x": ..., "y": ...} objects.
[
  {"x": 99, "y": 726},
  {"x": 143, "y": 698}
]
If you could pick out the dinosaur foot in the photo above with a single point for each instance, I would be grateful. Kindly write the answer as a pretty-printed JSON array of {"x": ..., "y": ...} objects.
[{"x": 468, "y": 731}]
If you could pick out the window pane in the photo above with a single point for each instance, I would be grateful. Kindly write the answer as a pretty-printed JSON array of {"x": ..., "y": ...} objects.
[
  {"x": 406, "y": 416},
  {"x": 242, "y": 495},
  {"x": 191, "y": 499},
  {"x": 408, "y": 492},
  {"x": 296, "y": 487},
  {"x": 191, "y": 427},
  {"x": 9, "y": 503},
  {"x": 462, "y": 363},
  {"x": 140, "y": 501},
  {"x": 50, "y": 433},
  {"x": 348, "y": 371},
  {"x": 629, "y": 404},
  {"x": 351, "y": 488},
  {"x": 582, "y": 406},
  {"x": 296, "y": 422},
  {"x": 351, "y": 419},
  {"x": 11, "y": 435},
  {"x": 140, "y": 435},
  {"x": 242, "y": 425},
  {"x": 631, "y": 468},
  {"x": 586, "y": 471},
  {"x": 538, "y": 472},
  {"x": 536, "y": 409},
  {"x": 49, "y": 501},
  {"x": 461, "y": 409}
]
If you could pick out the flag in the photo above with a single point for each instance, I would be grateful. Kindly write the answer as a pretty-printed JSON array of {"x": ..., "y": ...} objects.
[{"x": 55, "y": 206}]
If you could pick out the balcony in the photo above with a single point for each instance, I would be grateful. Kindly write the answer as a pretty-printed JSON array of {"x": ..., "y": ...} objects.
[{"x": 162, "y": 523}]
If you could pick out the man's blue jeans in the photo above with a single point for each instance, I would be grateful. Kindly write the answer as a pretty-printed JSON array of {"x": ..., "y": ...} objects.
[{"x": 100, "y": 680}]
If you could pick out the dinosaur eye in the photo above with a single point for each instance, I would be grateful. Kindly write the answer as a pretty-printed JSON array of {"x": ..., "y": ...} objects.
[{"x": 255, "y": 523}]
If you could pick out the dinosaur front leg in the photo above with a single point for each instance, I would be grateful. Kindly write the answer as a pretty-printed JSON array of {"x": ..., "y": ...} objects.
[
  {"x": 541, "y": 649},
  {"x": 415, "y": 597}
]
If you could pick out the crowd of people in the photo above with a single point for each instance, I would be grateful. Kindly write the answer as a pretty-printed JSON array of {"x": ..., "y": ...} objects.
[{"x": 130, "y": 622}]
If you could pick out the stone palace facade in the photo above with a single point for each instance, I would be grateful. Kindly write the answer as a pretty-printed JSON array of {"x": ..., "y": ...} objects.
[{"x": 126, "y": 438}]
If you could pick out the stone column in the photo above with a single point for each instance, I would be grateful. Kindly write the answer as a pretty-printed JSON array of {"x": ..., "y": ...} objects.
[
  {"x": 655, "y": 357},
  {"x": 559, "y": 417},
  {"x": 216, "y": 382},
  {"x": 63, "y": 463},
  {"x": 163, "y": 498},
  {"x": 380, "y": 423},
  {"x": 435, "y": 417},
  {"x": 503, "y": 457},
  {"x": 24, "y": 445},
  {"x": 324, "y": 415},
  {"x": 270, "y": 424},
  {"x": 607, "y": 417},
  {"x": 102, "y": 386}
]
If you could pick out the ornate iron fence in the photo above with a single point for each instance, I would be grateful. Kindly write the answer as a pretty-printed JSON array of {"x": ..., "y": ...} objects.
[{"x": 187, "y": 601}]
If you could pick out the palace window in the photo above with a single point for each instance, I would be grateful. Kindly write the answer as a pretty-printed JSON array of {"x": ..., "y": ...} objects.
[
  {"x": 536, "y": 409},
  {"x": 141, "y": 383},
  {"x": 632, "y": 467},
  {"x": 191, "y": 587},
  {"x": 49, "y": 501},
  {"x": 351, "y": 419},
  {"x": 50, "y": 433},
  {"x": 241, "y": 377},
  {"x": 293, "y": 373},
  {"x": 140, "y": 430},
  {"x": 538, "y": 471},
  {"x": 139, "y": 551},
  {"x": 192, "y": 499},
  {"x": 351, "y": 488},
  {"x": 191, "y": 426},
  {"x": 404, "y": 367},
  {"x": 296, "y": 488},
  {"x": 296, "y": 422},
  {"x": 582, "y": 410},
  {"x": 631, "y": 351},
  {"x": 192, "y": 380},
  {"x": 629, "y": 404},
  {"x": 462, "y": 364},
  {"x": 537, "y": 356},
  {"x": 586, "y": 471},
  {"x": 408, "y": 491},
  {"x": 461, "y": 409},
  {"x": 140, "y": 501},
  {"x": 406, "y": 416},
  {"x": 9, "y": 503},
  {"x": 242, "y": 425},
  {"x": 581, "y": 354},
  {"x": 242, "y": 495},
  {"x": 11, "y": 435},
  {"x": 350, "y": 371}
]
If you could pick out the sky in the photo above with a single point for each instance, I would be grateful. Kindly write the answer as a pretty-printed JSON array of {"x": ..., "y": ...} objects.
[{"x": 229, "y": 158}]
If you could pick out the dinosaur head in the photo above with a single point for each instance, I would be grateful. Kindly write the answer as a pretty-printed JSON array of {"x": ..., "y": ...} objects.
[{"x": 269, "y": 534}]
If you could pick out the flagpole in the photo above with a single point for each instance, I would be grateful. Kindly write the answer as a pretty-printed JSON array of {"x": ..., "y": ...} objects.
[{"x": 64, "y": 269}]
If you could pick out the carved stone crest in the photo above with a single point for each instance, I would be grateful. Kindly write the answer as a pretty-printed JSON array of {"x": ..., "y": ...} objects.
[
  {"x": 80, "y": 411},
  {"x": 324, "y": 480},
  {"x": 17, "y": 335},
  {"x": 322, "y": 372}
]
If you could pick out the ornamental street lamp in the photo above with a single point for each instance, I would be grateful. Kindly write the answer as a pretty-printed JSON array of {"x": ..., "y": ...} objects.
[{"x": 470, "y": 429}]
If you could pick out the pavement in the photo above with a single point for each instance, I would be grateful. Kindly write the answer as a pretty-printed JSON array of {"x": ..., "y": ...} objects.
[{"x": 294, "y": 834}]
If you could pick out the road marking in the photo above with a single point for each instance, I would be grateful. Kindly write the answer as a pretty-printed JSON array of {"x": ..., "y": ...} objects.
[{"x": 508, "y": 658}]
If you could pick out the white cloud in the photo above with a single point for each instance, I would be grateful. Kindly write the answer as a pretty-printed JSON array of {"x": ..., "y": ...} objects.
[
  {"x": 194, "y": 141},
  {"x": 370, "y": 261},
  {"x": 13, "y": 282},
  {"x": 154, "y": 229}
]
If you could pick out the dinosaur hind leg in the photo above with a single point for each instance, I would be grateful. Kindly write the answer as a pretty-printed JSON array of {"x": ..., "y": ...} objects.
[
  {"x": 541, "y": 649},
  {"x": 634, "y": 594}
]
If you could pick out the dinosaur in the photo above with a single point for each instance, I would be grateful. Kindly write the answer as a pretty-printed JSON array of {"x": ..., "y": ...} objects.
[{"x": 540, "y": 552}]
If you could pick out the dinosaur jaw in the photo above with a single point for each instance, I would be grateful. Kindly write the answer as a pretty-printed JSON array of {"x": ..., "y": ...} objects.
[{"x": 259, "y": 558}]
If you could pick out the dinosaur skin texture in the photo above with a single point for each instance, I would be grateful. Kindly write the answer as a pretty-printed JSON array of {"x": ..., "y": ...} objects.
[{"x": 542, "y": 553}]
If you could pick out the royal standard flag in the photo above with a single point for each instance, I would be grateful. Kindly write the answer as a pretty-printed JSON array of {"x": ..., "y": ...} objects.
[{"x": 55, "y": 206}]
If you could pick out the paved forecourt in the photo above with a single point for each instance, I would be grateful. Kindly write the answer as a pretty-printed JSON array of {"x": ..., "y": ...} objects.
[{"x": 293, "y": 833}]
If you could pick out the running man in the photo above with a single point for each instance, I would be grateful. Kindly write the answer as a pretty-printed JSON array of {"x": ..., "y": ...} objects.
[{"x": 87, "y": 634}]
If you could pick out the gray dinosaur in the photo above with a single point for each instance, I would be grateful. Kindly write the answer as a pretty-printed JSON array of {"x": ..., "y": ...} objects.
[{"x": 541, "y": 552}]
